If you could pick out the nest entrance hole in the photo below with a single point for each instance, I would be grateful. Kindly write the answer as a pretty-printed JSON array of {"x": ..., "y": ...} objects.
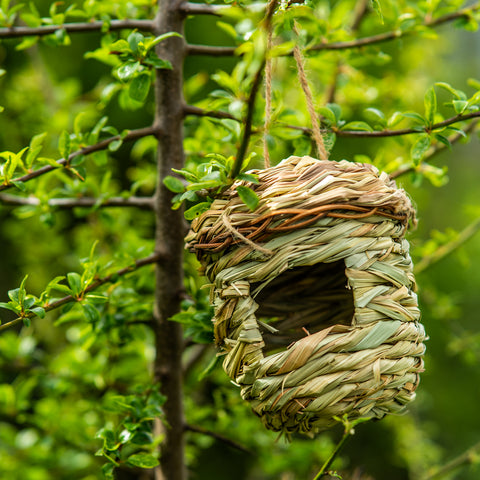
[{"x": 304, "y": 300}]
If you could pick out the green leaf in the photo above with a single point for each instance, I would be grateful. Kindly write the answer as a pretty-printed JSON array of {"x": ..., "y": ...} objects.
[
  {"x": 20, "y": 185},
  {"x": 22, "y": 293},
  {"x": 142, "y": 460},
  {"x": 420, "y": 147},
  {"x": 75, "y": 282},
  {"x": 456, "y": 93},
  {"x": 115, "y": 145},
  {"x": 189, "y": 176},
  {"x": 377, "y": 8},
  {"x": 64, "y": 145},
  {"x": 328, "y": 115},
  {"x": 157, "y": 63},
  {"x": 134, "y": 39},
  {"x": 39, "y": 311},
  {"x": 248, "y": 177},
  {"x": 120, "y": 46},
  {"x": 415, "y": 116},
  {"x": 27, "y": 42},
  {"x": 357, "y": 126},
  {"x": 127, "y": 70},
  {"x": 248, "y": 196},
  {"x": 174, "y": 184},
  {"x": 196, "y": 210},
  {"x": 459, "y": 106},
  {"x": 376, "y": 116},
  {"x": 10, "y": 307},
  {"x": 91, "y": 313},
  {"x": 430, "y": 102},
  {"x": 151, "y": 43},
  {"x": 140, "y": 86}
]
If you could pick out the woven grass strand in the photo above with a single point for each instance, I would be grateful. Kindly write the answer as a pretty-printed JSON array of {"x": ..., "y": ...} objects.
[{"x": 315, "y": 304}]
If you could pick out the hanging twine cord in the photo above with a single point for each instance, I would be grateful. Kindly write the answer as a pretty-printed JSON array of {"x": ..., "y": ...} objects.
[
  {"x": 268, "y": 98},
  {"x": 317, "y": 135}
]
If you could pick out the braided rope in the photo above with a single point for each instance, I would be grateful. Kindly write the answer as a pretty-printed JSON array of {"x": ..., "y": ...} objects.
[{"x": 314, "y": 298}]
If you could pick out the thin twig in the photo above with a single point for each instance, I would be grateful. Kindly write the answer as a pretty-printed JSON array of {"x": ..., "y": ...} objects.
[
  {"x": 360, "y": 11},
  {"x": 326, "y": 466},
  {"x": 112, "y": 277},
  {"x": 350, "y": 44},
  {"x": 407, "y": 131},
  {"x": 201, "y": 9},
  {"x": 14, "y": 32},
  {"x": 145, "y": 203},
  {"x": 247, "y": 129},
  {"x": 218, "y": 436},
  {"x": 211, "y": 51},
  {"x": 257, "y": 80},
  {"x": 469, "y": 457},
  {"x": 102, "y": 145},
  {"x": 445, "y": 250},
  {"x": 435, "y": 150},
  {"x": 200, "y": 112},
  {"x": 191, "y": 110}
]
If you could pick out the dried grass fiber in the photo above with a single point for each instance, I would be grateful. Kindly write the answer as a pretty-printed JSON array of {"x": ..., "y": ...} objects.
[{"x": 315, "y": 309}]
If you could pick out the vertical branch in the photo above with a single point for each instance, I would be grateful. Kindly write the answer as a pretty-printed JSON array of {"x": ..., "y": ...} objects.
[{"x": 169, "y": 240}]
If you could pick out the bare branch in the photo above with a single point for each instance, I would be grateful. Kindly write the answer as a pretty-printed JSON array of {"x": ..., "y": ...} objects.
[
  {"x": 218, "y": 436},
  {"x": 201, "y": 9},
  {"x": 191, "y": 110},
  {"x": 257, "y": 80},
  {"x": 448, "y": 248},
  {"x": 13, "y": 32},
  {"x": 357, "y": 43},
  {"x": 145, "y": 203},
  {"x": 102, "y": 145},
  {"x": 407, "y": 131},
  {"x": 200, "y": 112},
  {"x": 210, "y": 51},
  {"x": 247, "y": 130},
  {"x": 154, "y": 258}
]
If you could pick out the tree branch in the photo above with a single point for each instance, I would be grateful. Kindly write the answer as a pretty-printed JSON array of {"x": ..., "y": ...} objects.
[
  {"x": 218, "y": 436},
  {"x": 189, "y": 8},
  {"x": 407, "y": 131},
  {"x": 145, "y": 203},
  {"x": 169, "y": 232},
  {"x": 102, "y": 145},
  {"x": 433, "y": 151},
  {"x": 112, "y": 277},
  {"x": 357, "y": 43},
  {"x": 192, "y": 110},
  {"x": 210, "y": 51},
  {"x": 257, "y": 80},
  {"x": 13, "y": 32},
  {"x": 247, "y": 129},
  {"x": 469, "y": 457},
  {"x": 200, "y": 112},
  {"x": 445, "y": 250}
]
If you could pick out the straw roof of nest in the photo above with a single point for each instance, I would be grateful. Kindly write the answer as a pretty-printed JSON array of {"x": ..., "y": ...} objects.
[{"x": 315, "y": 309}]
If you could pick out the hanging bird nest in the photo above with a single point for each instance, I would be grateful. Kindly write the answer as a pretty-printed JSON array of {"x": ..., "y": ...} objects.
[{"x": 313, "y": 291}]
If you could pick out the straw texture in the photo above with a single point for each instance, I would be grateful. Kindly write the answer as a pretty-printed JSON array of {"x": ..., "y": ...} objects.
[{"x": 315, "y": 309}]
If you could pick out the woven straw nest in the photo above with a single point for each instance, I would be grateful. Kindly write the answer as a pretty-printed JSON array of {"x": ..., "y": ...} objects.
[{"x": 314, "y": 298}]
